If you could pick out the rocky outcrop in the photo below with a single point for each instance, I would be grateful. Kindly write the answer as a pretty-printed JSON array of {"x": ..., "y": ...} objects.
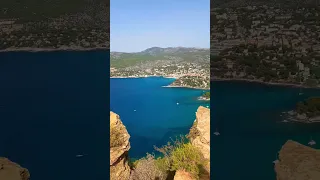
[
  {"x": 298, "y": 162},
  {"x": 183, "y": 175},
  {"x": 200, "y": 133},
  {"x": 119, "y": 147},
  {"x": 12, "y": 171}
]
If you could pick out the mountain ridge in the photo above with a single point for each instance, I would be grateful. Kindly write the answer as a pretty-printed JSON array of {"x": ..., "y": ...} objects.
[{"x": 162, "y": 49}]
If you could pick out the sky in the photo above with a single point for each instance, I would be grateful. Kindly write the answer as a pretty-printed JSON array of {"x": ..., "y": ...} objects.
[{"x": 136, "y": 25}]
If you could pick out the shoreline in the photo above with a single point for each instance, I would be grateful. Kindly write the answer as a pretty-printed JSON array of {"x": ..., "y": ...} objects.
[
  {"x": 201, "y": 98},
  {"x": 28, "y": 49},
  {"x": 189, "y": 87},
  {"x": 133, "y": 77},
  {"x": 293, "y": 116},
  {"x": 266, "y": 83},
  {"x": 168, "y": 77}
]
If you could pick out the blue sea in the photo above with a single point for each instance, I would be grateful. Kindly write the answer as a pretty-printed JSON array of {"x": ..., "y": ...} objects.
[
  {"x": 151, "y": 113},
  {"x": 248, "y": 118},
  {"x": 54, "y": 106}
]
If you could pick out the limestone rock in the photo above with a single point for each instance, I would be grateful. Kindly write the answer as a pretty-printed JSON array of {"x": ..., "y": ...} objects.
[
  {"x": 119, "y": 147},
  {"x": 12, "y": 171},
  {"x": 298, "y": 162},
  {"x": 200, "y": 133},
  {"x": 182, "y": 175}
]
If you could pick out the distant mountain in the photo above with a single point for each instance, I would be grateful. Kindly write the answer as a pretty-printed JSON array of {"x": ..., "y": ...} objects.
[
  {"x": 122, "y": 59},
  {"x": 170, "y": 50}
]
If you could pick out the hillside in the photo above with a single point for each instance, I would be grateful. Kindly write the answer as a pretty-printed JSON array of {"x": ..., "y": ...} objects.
[
  {"x": 283, "y": 3},
  {"x": 152, "y": 55},
  {"x": 176, "y": 62}
]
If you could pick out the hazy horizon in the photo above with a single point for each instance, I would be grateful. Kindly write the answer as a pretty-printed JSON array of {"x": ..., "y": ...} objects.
[
  {"x": 162, "y": 48},
  {"x": 139, "y": 25}
]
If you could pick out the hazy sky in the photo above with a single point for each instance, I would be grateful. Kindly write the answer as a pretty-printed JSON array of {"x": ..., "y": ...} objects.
[{"x": 136, "y": 25}]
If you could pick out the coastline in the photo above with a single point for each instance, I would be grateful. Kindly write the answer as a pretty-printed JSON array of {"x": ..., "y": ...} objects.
[
  {"x": 130, "y": 77},
  {"x": 293, "y": 116},
  {"x": 201, "y": 98},
  {"x": 28, "y": 49},
  {"x": 266, "y": 83},
  {"x": 168, "y": 86},
  {"x": 189, "y": 87}
]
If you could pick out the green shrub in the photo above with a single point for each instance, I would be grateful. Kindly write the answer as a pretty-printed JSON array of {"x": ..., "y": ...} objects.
[
  {"x": 188, "y": 158},
  {"x": 181, "y": 155}
]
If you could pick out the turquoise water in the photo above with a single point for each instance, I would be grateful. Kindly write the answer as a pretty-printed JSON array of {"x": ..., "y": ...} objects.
[
  {"x": 248, "y": 118},
  {"x": 158, "y": 116}
]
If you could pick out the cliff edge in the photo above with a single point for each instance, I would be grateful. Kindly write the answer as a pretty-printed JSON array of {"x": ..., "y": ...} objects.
[
  {"x": 12, "y": 171},
  {"x": 119, "y": 148},
  {"x": 200, "y": 133},
  {"x": 298, "y": 162}
]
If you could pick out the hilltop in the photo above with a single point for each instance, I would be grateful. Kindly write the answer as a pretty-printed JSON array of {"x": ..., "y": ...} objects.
[
  {"x": 178, "y": 54},
  {"x": 176, "y": 62}
]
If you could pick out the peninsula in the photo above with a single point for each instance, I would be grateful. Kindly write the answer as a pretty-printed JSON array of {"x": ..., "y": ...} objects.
[
  {"x": 307, "y": 111},
  {"x": 189, "y": 66}
]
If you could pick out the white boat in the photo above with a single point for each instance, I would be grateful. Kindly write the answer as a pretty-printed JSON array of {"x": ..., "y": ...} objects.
[
  {"x": 134, "y": 110},
  {"x": 177, "y": 103},
  {"x": 285, "y": 121},
  {"x": 312, "y": 142},
  {"x": 79, "y": 155},
  {"x": 216, "y": 133}
]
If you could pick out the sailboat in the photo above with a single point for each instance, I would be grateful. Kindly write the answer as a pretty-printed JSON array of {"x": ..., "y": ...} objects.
[
  {"x": 216, "y": 133},
  {"x": 311, "y": 142}
]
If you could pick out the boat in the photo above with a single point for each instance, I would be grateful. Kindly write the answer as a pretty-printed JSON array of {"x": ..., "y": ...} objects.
[
  {"x": 285, "y": 121},
  {"x": 134, "y": 110},
  {"x": 79, "y": 155},
  {"x": 216, "y": 133},
  {"x": 177, "y": 103},
  {"x": 312, "y": 142}
]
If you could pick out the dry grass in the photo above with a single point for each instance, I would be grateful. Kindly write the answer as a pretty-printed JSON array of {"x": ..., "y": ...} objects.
[{"x": 116, "y": 137}]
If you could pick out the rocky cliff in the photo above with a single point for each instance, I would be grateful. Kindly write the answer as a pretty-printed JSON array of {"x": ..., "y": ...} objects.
[
  {"x": 298, "y": 162},
  {"x": 119, "y": 147},
  {"x": 12, "y": 171},
  {"x": 200, "y": 133}
]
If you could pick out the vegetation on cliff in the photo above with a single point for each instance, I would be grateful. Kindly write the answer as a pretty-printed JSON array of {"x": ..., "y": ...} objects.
[
  {"x": 178, "y": 155},
  {"x": 310, "y": 107},
  {"x": 206, "y": 94},
  {"x": 116, "y": 137}
]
